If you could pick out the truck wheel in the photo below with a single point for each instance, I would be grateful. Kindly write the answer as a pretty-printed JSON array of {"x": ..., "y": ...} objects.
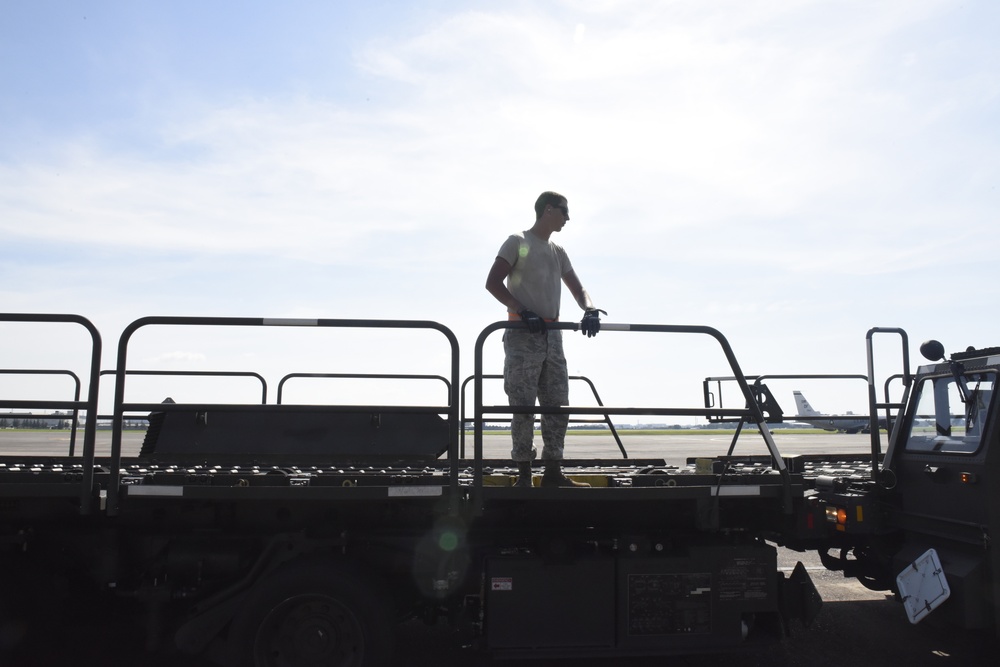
[{"x": 312, "y": 614}]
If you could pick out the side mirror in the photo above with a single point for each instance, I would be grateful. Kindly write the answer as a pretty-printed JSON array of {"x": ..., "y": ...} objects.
[{"x": 932, "y": 350}]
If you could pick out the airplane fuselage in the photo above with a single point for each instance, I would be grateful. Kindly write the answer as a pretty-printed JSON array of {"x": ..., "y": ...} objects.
[{"x": 816, "y": 419}]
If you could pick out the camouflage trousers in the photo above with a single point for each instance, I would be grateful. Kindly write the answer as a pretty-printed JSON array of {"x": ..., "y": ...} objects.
[{"x": 535, "y": 368}]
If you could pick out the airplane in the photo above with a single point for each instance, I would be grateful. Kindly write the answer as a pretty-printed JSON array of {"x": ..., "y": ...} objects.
[{"x": 846, "y": 424}]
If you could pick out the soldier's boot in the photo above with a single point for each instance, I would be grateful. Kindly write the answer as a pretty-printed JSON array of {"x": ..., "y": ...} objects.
[
  {"x": 523, "y": 475},
  {"x": 554, "y": 476}
]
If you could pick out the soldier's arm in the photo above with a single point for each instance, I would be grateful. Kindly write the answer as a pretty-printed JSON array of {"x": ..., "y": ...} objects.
[{"x": 495, "y": 285}]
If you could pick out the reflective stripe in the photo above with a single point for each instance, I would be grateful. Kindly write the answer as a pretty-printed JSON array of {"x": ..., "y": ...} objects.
[
  {"x": 152, "y": 490},
  {"x": 414, "y": 491},
  {"x": 736, "y": 490}
]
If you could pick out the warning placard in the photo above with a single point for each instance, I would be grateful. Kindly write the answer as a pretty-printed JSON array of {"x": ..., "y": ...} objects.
[{"x": 502, "y": 583}]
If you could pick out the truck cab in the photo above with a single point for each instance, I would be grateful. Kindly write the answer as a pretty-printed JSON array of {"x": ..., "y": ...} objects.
[{"x": 933, "y": 495}]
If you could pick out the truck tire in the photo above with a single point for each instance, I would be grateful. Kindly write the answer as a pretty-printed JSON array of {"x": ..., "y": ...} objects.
[{"x": 313, "y": 613}]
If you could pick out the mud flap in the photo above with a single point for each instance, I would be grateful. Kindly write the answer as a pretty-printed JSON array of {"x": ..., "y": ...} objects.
[{"x": 799, "y": 598}]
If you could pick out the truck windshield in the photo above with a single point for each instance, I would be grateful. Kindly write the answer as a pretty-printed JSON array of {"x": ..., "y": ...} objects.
[{"x": 946, "y": 424}]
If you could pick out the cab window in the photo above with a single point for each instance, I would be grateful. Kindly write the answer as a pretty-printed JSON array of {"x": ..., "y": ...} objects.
[{"x": 951, "y": 413}]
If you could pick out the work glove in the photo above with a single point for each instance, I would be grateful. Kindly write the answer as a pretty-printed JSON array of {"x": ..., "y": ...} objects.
[
  {"x": 535, "y": 323},
  {"x": 591, "y": 322}
]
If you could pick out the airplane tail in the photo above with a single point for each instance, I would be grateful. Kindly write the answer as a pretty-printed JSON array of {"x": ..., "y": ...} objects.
[{"x": 804, "y": 409}]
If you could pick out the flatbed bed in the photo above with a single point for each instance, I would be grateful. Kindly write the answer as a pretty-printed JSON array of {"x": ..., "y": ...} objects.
[
  {"x": 264, "y": 533},
  {"x": 497, "y": 473}
]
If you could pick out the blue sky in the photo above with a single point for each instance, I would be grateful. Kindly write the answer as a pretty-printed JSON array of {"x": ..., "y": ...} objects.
[{"x": 792, "y": 172}]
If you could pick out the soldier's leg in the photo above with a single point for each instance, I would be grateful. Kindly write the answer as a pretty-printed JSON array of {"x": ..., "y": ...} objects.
[
  {"x": 553, "y": 390},
  {"x": 523, "y": 361}
]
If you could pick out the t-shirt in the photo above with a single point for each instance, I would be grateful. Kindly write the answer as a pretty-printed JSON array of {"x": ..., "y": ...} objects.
[{"x": 537, "y": 268}]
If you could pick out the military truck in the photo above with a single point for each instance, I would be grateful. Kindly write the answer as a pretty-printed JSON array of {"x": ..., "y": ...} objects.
[{"x": 269, "y": 533}]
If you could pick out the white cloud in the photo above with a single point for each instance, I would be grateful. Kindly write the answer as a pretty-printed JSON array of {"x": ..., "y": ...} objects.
[
  {"x": 736, "y": 161},
  {"x": 712, "y": 114}
]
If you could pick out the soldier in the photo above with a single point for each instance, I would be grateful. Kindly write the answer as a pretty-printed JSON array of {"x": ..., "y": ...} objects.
[{"x": 534, "y": 269}]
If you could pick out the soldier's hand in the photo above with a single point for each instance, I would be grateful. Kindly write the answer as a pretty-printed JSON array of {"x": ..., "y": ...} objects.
[
  {"x": 535, "y": 323},
  {"x": 591, "y": 322}
]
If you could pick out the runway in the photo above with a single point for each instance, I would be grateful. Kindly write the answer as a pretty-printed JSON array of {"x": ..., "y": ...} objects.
[{"x": 674, "y": 448}]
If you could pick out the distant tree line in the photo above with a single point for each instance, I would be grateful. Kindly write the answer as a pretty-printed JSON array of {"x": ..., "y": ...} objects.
[
  {"x": 62, "y": 424},
  {"x": 34, "y": 422}
]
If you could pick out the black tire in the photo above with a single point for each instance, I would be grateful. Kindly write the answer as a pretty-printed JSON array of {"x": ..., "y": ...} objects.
[{"x": 312, "y": 613}]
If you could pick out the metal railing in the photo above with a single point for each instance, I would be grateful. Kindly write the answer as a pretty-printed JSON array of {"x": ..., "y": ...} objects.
[
  {"x": 360, "y": 376},
  {"x": 121, "y": 406},
  {"x": 89, "y": 404},
  {"x": 761, "y": 396},
  {"x": 873, "y": 402},
  {"x": 892, "y": 408},
  {"x": 751, "y": 412},
  {"x": 47, "y": 404},
  {"x": 164, "y": 373},
  {"x": 593, "y": 389}
]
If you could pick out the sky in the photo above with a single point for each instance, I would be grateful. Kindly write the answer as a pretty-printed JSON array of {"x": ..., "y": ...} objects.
[{"x": 789, "y": 172}]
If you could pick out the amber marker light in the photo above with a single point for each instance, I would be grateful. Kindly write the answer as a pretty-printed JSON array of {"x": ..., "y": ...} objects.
[{"x": 838, "y": 516}]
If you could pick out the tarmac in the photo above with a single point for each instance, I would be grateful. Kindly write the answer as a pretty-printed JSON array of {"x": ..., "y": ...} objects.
[{"x": 674, "y": 448}]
